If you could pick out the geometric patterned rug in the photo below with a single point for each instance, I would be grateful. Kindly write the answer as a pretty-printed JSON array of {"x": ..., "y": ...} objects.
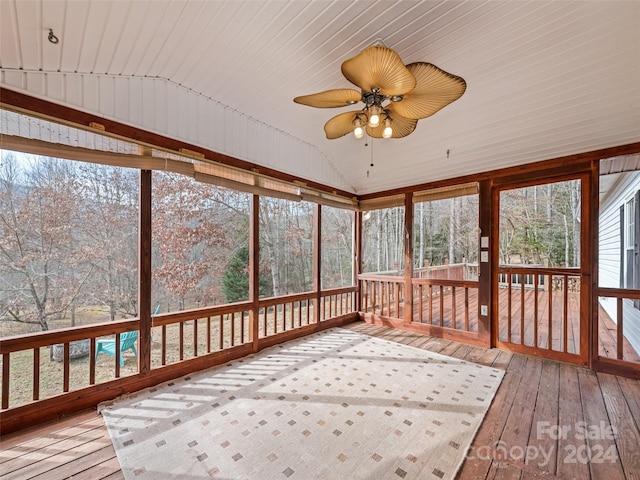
[{"x": 333, "y": 405}]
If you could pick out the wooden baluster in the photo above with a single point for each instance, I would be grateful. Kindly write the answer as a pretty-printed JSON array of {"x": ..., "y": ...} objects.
[
  {"x": 620, "y": 329},
  {"x": 550, "y": 290},
  {"x": 466, "y": 309},
  {"x": 441, "y": 306},
  {"x": 66, "y": 366},
  {"x": 181, "y": 340},
  {"x": 164, "y": 345},
  {"x": 364, "y": 289},
  {"x": 374, "y": 292},
  {"x": 92, "y": 361},
  {"x": 221, "y": 332},
  {"x": 242, "y": 327},
  {"x": 521, "y": 310},
  {"x": 535, "y": 310},
  {"x": 397, "y": 295},
  {"x": 453, "y": 307},
  {"x": 195, "y": 337},
  {"x": 430, "y": 301},
  {"x": 6, "y": 371},
  {"x": 420, "y": 312},
  {"x": 233, "y": 329},
  {"x": 36, "y": 373},
  {"x": 264, "y": 322},
  {"x": 117, "y": 355},
  {"x": 565, "y": 313},
  {"x": 275, "y": 319},
  {"x": 509, "y": 284}
]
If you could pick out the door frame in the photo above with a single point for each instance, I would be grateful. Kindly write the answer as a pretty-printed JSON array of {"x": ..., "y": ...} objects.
[{"x": 586, "y": 264}]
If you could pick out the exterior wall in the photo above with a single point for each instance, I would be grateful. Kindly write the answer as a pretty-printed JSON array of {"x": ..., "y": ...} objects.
[
  {"x": 165, "y": 108},
  {"x": 609, "y": 253}
]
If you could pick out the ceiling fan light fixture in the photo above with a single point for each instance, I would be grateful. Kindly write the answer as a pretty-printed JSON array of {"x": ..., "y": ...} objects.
[
  {"x": 358, "y": 131},
  {"x": 374, "y": 116},
  {"x": 387, "y": 132}
]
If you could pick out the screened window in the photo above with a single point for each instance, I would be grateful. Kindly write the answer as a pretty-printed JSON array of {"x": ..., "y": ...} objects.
[{"x": 630, "y": 214}]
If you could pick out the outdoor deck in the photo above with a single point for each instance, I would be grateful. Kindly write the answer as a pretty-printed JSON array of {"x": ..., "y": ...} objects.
[{"x": 534, "y": 396}]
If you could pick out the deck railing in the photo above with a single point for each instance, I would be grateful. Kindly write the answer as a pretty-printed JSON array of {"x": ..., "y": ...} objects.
[
  {"x": 186, "y": 334},
  {"x": 626, "y": 319},
  {"x": 382, "y": 295},
  {"x": 189, "y": 336},
  {"x": 535, "y": 304},
  {"x": 444, "y": 303}
]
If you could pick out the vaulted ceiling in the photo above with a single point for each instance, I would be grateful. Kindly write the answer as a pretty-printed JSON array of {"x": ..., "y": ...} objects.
[{"x": 544, "y": 78}]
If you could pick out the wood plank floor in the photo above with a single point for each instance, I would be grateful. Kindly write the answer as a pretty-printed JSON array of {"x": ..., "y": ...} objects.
[{"x": 537, "y": 399}]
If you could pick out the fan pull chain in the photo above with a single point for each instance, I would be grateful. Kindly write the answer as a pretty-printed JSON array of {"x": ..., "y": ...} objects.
[{"x": 371, "y": 153}]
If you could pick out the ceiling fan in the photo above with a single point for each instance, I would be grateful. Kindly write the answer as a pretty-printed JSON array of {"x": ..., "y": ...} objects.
[{"x": 395, "y": 96}]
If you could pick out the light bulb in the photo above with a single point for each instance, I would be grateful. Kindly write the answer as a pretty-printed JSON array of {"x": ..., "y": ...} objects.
[
  {"x": 387, "y": 129},
  {"x": 358, "y": 132},
  {"x": 374, "y": 116}
]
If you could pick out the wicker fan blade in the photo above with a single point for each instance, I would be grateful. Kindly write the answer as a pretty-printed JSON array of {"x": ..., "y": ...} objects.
[
  {"x": 341, "y": 97},
  {"x": 340, "y": 125},
  {"x": 400, "y": 126},
  {"x": 380, "y": 67},
  {"x": 434, "y": 90}
]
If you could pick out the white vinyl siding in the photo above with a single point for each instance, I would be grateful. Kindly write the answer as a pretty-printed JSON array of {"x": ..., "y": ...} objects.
[{"x": 609, "y": 271}]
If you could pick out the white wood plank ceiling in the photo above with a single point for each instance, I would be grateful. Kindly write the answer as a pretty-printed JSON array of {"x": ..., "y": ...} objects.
[{"x": 545, "y": 78}]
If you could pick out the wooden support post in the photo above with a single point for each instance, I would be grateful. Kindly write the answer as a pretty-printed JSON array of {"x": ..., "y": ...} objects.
[
  {"x": 589, "y": 257},
  {"x": 488, "y": 221},
  {"x": 357, "y": 259},
  {"x": 254, "y": 272},
  {"x": 317, "y": 262},
  {"x": 408, "y": 258},
  {"x": 144, "y": 275}
]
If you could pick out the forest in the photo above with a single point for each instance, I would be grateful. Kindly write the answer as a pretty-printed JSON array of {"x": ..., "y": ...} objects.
[{"x": 69, "y": 240}]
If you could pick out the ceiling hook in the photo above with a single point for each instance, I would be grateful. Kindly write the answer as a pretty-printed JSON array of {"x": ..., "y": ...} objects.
[{"x": 52, "y": 38}]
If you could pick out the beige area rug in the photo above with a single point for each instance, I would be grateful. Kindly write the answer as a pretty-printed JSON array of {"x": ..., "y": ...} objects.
[{"x": 333, "y": 405}]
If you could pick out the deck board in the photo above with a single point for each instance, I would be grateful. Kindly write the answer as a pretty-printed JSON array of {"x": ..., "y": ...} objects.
[{"x": 532, "y": 391}]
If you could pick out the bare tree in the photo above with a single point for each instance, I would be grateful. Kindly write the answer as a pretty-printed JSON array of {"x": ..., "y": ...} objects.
[{"x": 38, "y": 248}]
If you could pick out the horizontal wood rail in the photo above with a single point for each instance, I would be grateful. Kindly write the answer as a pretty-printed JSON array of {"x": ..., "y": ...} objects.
[
  {"x": 619, "y": 293},
  {"x": 27, "y": 341},
  {"x": 452, "y": 271}
]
